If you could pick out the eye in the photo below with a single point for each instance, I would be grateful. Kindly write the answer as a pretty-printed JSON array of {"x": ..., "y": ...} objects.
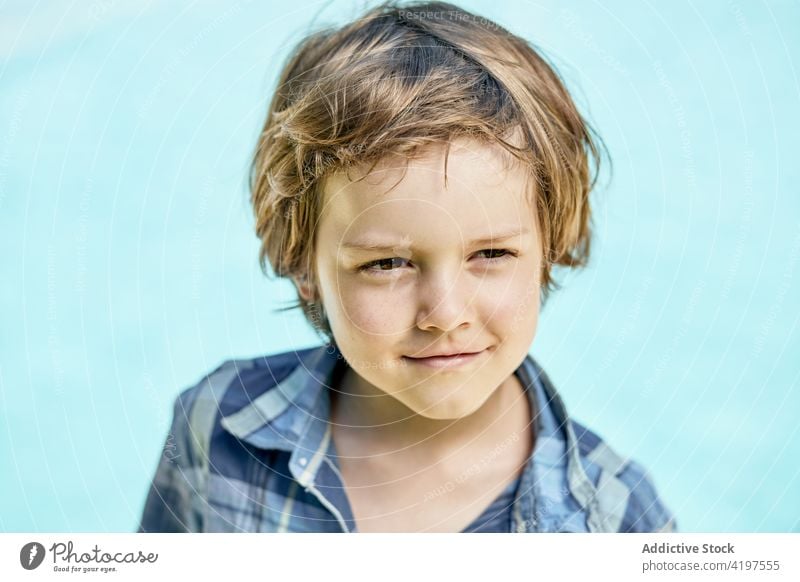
[
  {"x": 503, "y": 254},
  {"x": 385, "y": 265}
]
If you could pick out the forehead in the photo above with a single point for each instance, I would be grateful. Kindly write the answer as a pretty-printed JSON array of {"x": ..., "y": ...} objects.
[{"x": 481, "y": 191}]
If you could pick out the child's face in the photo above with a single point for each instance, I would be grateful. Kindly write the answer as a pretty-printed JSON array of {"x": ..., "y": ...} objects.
[{"x": 431, "y": 290}]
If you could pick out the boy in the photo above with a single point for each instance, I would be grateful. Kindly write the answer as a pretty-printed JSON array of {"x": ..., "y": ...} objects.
[{"x": 420, "y": 171}]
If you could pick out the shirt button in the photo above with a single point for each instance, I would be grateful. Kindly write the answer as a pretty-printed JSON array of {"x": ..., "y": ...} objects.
[{"x": 303, "y": 461}]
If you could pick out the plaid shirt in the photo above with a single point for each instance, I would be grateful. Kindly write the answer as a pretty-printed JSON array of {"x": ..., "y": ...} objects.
[{"x": 250, "y": 450}]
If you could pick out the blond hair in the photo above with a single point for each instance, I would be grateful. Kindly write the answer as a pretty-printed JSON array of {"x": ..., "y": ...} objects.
[{"x": 393, "y": 81}]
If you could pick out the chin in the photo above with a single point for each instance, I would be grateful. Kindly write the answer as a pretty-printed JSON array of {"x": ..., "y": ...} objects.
[{"x": 447, "y": 410}]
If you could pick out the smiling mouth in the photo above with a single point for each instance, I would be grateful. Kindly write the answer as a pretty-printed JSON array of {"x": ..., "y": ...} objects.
[{"x": 445, "y": 361}]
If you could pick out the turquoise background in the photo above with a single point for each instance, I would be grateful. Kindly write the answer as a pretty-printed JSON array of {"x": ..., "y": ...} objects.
[{"x": 129, "y": 261}]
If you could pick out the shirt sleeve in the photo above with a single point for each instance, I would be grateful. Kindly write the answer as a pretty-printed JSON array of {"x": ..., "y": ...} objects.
[
  {"x": 645, "y": 511},
  {"x": 174, "y": 499}
]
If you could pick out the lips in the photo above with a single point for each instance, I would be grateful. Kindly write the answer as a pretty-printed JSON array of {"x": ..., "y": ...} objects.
[
  {"x": 446, "y": 354},
  {"x": 446, "y": 361}
]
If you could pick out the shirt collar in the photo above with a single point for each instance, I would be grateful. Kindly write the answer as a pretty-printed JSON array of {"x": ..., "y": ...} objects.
[
  {"x": 294, "y": 416},
  {"x": 277, "y": 418},
  {"x": 555, "y": 470}
]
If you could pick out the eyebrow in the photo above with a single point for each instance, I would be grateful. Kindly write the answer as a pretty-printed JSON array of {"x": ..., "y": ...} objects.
[{"x": 369, "y": 244}]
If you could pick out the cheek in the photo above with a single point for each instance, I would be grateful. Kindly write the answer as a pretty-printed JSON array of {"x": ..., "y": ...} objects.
[
  {"x": 514, "y": 306},
  {"x": 369, "y": 310}
]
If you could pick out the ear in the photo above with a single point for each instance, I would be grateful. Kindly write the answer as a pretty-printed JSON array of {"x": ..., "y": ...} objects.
[{"x": 304, "y": 287}]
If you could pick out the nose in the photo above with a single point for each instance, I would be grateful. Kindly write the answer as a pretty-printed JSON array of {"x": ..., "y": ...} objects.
[{"x": 444, "y": 304}]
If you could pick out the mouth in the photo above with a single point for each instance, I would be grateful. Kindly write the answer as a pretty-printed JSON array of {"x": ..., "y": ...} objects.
[{"x": 453, "y": 361}]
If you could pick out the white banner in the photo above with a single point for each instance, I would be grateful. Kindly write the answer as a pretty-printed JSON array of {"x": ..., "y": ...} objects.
[{"x": 406, "y": 558}]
